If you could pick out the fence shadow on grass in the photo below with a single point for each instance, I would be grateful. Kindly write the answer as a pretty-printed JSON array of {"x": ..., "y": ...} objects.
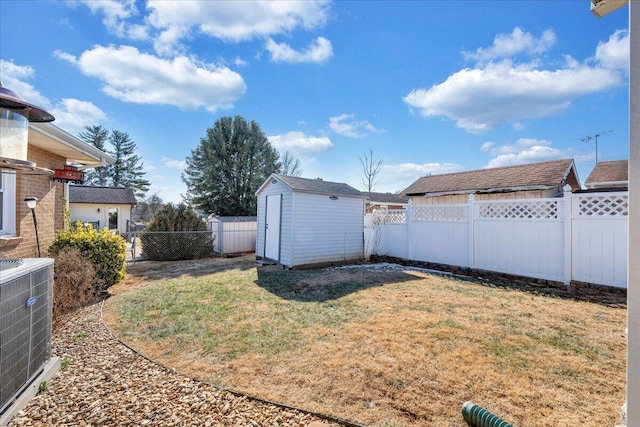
[{"x": 320, "y": 285}]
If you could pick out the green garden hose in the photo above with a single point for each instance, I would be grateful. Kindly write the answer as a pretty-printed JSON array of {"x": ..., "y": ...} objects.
[{"x": 476, "y": 416}]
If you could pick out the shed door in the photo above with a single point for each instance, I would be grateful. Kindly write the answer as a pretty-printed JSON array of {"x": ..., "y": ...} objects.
[{"x": 272, "y": 228}]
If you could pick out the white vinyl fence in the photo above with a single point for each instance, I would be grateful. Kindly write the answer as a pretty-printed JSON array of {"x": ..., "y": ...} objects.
[{"x": 580, "y": 237}]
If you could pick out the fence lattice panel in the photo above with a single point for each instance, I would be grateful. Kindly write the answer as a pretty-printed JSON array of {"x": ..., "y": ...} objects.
[
  {"x": 391, "y": 217},
  {"x": 544, "y": 209},
  {"x": 440, "y": 213},
  {"x": 603, "y": 204}
]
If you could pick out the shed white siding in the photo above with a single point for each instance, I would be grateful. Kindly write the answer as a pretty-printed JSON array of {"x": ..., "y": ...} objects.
[
  {"x": 327, "y": 230},
  {"x": 314, "y": 228},
  {"x": 233, "y": 235},
  {"x": 286, "y": 226}
]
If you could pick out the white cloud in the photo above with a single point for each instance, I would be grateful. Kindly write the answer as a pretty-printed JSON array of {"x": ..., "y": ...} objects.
[
  {"x": 485, "y": 98},
  {"x": 498, "y": 93},
  {"x": 398, "y": 177},
  {"x": 174, "y": 164},
  {"x": 71, "y": 114},
  {"x": 318, "y": 51},
  {"x": 13, "y": 78},
  {"x": 231, "y": 20},
  {"x": 524, "y": 150},
  {"x": 345, "y": 125},
  {"x": 509, "y": 45},
  {"x": 115, "y": 13},
  {"x": 300, "y": 144},
  {"x": 614, "y": 53},
  {"x": 137, "y": 77},
  {"x": 240, "y": 62}
]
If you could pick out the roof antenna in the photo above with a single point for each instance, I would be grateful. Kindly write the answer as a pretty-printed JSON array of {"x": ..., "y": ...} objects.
[{"x": 595, "y": 136}]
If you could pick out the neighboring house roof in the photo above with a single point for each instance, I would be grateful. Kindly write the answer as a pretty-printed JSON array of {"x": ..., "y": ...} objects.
[
  {"x": 315, "y": 186},
  {"x": 609, "y": 175},
  {"x": 532, "y": 176},
  {"x": 56, "y": 140},
  {"x": 101, "y": 195},
  {"x": 388, "y": 198}
]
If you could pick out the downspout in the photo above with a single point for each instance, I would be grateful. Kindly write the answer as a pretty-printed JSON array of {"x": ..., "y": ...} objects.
[{"x": 67, "y": 208}]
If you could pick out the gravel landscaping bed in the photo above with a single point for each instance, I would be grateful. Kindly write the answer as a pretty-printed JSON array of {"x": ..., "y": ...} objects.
[{"x": 107, "y": 384}]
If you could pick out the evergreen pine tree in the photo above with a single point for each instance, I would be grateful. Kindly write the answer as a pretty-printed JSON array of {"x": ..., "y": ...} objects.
[
  {"x": 97, "y": 136},
  {"x": 225, "y": 170},
  {"x": 127, "y": 171}
]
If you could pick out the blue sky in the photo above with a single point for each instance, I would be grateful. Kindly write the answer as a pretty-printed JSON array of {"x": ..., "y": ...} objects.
[{"x": 429, "y": 86}]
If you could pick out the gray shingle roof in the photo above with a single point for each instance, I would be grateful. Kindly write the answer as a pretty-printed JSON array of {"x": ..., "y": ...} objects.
[
  {"x": 233, "y": 218},
  {"x": 386, "y": 198},
  {"x": 307, "y": 185},
  {"x": 101, "y": 195},
  {"x": 510, "y": 178},
  {"x": 604, "y": 173}
]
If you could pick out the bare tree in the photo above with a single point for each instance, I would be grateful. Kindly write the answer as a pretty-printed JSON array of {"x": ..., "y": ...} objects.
[
  {"x": 290, "y": 165},
  {"x": 371, "y": 168}
]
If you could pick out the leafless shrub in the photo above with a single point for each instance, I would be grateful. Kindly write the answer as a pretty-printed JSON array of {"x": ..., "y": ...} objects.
[{"x": 73, "y": 284}]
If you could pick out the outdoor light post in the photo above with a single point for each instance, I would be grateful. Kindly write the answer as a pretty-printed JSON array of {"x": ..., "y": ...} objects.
[{"x": 31, "y": 204}]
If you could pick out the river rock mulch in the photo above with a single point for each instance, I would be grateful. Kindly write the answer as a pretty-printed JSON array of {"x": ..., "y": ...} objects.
[{"x": 105, "y": 383}]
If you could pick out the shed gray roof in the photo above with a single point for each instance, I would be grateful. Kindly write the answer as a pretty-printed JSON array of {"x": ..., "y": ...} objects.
[
  {"x": 541, "y": 175},
  {"x": 101, "y": 195},
  {"x": 386, "y": 198},
  {"x": 232, "y": 218},
  {"x": 609, "y": 174},
  {"x": 318, "y": 186}
]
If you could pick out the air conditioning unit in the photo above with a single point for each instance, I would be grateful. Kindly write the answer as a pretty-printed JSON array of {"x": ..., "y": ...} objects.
[{"x": 26, "y": 301}]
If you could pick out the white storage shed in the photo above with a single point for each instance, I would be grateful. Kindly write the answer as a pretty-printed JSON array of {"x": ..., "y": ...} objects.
[
  {"x": 233, "y": 234},
  {"x": 309, "y": 221}
]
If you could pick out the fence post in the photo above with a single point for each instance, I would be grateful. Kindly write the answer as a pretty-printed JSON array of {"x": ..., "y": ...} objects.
[
  {"x": 566, "y": 212},
  {"x": 409, "y": 218},
  {"x": 470, "y": 219}
]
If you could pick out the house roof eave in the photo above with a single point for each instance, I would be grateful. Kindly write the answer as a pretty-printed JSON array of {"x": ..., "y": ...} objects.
[
  {"x": 486, "y": 191},
  {"x": 607, "y": 184},
  {"x": 56, "y": 140}
]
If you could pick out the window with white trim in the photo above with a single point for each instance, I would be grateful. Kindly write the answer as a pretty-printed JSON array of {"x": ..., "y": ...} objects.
[{"x": 7, "y": 204}]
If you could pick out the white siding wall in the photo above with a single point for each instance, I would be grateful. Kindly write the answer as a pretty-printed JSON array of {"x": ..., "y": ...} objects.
[
  {"x": 326, "y": 230},
  {"x": 86, "y": 212},
  {"x": 285, "y": 220},
  {"x": 233, "y": 237}
]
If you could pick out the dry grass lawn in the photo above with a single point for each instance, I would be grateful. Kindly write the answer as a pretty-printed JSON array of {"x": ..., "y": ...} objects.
[{"x": 381, "y": 348}]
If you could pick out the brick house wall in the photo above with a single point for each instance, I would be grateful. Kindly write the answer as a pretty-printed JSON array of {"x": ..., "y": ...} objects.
[{"x": 49, "y": 211}]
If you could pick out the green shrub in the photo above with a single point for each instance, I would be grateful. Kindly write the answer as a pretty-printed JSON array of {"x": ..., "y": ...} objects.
[
  {"x": 105, "y": 250},
  {"x": 176, "y": 233},
  {"x": 73, "y": 285}
]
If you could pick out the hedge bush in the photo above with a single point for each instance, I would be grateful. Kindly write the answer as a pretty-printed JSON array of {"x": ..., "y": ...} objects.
[
  {"x": 73, "y": 285},
  {"x": 176, "y": 233},
  {"x": 105, "y": 250}
]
